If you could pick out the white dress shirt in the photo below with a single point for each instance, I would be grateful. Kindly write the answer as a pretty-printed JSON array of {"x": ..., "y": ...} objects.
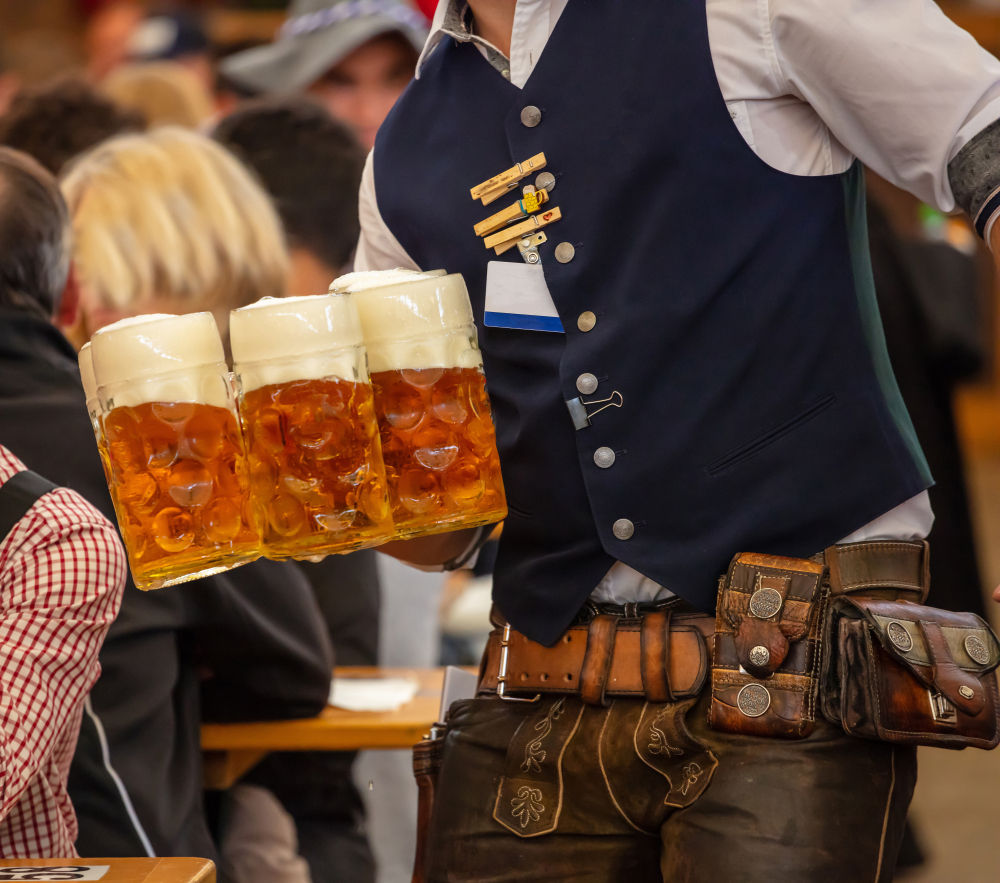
[{"x": 810, "y": 85}]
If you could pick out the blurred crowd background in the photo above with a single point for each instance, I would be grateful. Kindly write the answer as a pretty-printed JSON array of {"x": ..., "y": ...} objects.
[{"x": 253, "y": 146}]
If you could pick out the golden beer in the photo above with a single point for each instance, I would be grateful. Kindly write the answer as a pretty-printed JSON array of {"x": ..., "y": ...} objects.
[
  {"x": 309, "y": 420},
  {"x": 174, "y": 448},
  {"x": 315, "y": 467},
  {"x": 439, "y": 448},
  {"x": 184, "y": 495},
  {"x": 438, "y": 441}
]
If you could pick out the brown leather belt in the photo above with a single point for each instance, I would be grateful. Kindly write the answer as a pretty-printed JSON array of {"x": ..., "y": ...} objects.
[{"x": 664, "y": 654}]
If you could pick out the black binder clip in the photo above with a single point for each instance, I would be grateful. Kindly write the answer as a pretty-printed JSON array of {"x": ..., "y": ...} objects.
[{"x": 578, "y": 408}]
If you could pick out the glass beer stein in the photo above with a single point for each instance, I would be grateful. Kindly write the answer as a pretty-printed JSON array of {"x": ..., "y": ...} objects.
[
  {"x": 175, "y": 450},
  {"x": 309, "y": 420},
  {"x": 434, "y": 418}
]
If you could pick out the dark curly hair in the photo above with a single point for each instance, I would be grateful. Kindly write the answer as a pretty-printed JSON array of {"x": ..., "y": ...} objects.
[{"x": 61, "y": 119}]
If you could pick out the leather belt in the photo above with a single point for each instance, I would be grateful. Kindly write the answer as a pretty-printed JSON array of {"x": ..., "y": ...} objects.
[
  {"x": 663, "y": 651},
  {"x": 663, "y": 655},
  {"x": 888, "y": 569}
]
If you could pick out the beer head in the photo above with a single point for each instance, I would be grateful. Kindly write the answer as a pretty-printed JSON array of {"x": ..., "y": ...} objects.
[
  {"x": 342, "y": 284},
  {"x": 278, "y": 340},
  {"x": 89, "y": 379},
  {"x": 160, "y": 358},
  {"x": 416, "y": 321}
]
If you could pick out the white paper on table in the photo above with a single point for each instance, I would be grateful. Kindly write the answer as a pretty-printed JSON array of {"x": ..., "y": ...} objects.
[{"x": 372, "y": 694}]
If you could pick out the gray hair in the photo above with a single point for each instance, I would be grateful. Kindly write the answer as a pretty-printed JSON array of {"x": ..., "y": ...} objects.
[{"x": 36, "y": 236}]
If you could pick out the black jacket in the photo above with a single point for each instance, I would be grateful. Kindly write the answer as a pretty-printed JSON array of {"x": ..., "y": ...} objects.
[{"x": 247, "y": 645}]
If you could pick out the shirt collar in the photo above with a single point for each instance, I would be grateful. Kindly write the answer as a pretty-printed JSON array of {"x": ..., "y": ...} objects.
[{"x": 450, "y": 19}]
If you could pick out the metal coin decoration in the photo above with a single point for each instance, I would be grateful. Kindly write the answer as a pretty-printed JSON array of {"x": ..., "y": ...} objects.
[
  {"x": 977, "y": 650},
  {"x": 760, "y": 655},
  {"x": 753, "y": 700},
  {"x": 764, "y": 603},
  {"x": 966, "y": 692},
  {"x": 899, "y": 636}
]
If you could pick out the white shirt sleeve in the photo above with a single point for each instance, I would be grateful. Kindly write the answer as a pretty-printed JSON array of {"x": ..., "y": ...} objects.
[
  {"x": 897, "y": 83},
  {"x": 377, "y": 248}
]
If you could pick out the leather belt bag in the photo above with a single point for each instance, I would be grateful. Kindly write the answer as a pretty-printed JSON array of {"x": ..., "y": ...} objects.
[
  {"x": 903, "y": 672},
  {"x": 768, "y": 636},
  {"x": 662, "y": 655}
]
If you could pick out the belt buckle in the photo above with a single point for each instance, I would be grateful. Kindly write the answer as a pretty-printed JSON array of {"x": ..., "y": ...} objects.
[{"x": 502, "y": 674}]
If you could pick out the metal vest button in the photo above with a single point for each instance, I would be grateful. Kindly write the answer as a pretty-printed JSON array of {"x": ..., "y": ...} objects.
[
  {"x": 623, "y": 529},
  {"x": 604, "y": 457},
  {"x": 586, "y": 321},
  {"x": 586, "y": 383},
  {"x": 545, "y": 181},
  {"x": 565, "y": 252},
  {"x": 531, "y": 116}
]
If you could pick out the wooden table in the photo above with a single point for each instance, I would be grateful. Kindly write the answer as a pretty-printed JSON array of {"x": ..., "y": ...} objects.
[
  {"x": 230, "y": 750},
  {"x": 109, "y": 870}
]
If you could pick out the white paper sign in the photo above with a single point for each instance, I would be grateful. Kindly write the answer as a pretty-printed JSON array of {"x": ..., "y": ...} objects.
[
  {"x": 517, "y": 297},
  {"x": 53, "y": 872}
]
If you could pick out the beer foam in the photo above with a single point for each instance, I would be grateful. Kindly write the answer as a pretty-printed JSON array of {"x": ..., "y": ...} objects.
[
  {"x": 88, "y": 377},
  {"x": 378, "y": 277},
  {"x": 416, "y": 321},
  {"x": 277, "y": 340},
  {"x": 161, "y": 358}
]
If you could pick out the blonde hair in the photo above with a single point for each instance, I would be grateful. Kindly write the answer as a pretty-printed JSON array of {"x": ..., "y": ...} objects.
[
  {"x": 171, "y": 214},
  {"x": 165, "y": 92}
]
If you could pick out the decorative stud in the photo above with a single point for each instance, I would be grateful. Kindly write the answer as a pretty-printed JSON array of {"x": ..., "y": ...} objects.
[
  {"x": 760, "y": 655},
  {"x": 977, "y": 650},
  {"x": 966, "y": 692},
  {"x": 899, "y": 636},
  {"x": 753, "y": 700},
  {"x": 764, "y": 603}
]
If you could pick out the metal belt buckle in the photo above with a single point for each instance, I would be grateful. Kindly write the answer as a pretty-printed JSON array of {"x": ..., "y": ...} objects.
[{"x": 502, "y": 674}]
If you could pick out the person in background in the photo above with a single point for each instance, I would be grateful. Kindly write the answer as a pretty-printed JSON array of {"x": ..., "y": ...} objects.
[
  {"x": 247, "y": 645},
  {"x": 355, "y": 58},
  {"x": 177, "y": 37},
  {"x": 62, "y": 572},
  {"x": 311, "y": 166},
  {"x": 170, "y": 222},
  {"x": 62, "y": 567},
  {"x": 166, "y": 93},
  {"x": 61, "y": 119}
]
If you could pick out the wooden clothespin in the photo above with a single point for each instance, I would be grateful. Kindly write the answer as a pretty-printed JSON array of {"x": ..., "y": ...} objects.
[
  {"x": 491, "y": 190},
  {"x": 518, "y": 230},
  {"x": 531, "y": 202}
]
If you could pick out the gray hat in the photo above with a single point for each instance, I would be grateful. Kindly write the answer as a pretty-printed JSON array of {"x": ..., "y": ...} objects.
[{"x": 317, "y": 35}]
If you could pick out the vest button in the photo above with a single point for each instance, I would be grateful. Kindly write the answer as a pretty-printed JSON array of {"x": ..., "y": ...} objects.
[
  {"x": 531, "y": 116},
  {"x": 545, "y": 181},
  {"x": 586, "y": 383},
  {"x": 623, "y": 529},
  {"x": 586, "y": 321},
  {"x": 565, "y": 252},
  {"x": 604, "y": 457}
]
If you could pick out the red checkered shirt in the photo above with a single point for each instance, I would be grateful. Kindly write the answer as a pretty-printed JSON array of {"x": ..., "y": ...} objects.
[{"x": 62, "y": 571}]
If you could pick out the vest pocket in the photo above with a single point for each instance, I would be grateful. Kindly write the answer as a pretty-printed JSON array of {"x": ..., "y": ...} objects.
[{"x": 775, "y": 433}]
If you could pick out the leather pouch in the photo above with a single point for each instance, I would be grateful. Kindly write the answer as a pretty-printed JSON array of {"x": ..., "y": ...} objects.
[
  {"x": 903, "y": 672},
  {"x": 768, "y": 635}
]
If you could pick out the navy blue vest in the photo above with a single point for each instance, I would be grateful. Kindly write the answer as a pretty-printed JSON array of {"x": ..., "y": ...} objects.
[{"x": 735, "y": 314}]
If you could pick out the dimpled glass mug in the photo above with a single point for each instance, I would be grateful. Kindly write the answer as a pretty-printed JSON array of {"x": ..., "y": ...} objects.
[
  {"x": 308, "y": 415},
  {"x": 434, "y": 418},
  {"x": 178, "y": 472}
]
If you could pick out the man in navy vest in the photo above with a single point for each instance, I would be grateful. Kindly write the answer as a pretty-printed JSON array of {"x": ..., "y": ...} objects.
[{"x": 713, "y": 380}]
